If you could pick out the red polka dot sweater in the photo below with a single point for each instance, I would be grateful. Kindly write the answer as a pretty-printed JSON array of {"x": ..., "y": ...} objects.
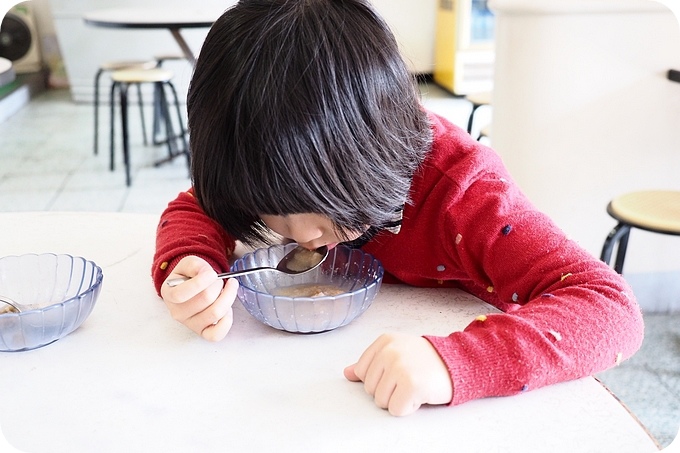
[{"x": 565, "y": 314}]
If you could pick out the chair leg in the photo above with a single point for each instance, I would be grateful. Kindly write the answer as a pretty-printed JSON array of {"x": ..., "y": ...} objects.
[
  {"x": 112, "y": 143},
  {"x": 156, "y": 115},
  {"x": 621, "y": 252},
  {"x": 182, "y": 131},
  {"x": 472, "y": 117},
  {"x": 618, "y": 235},
  {"x": 124, "y": 121},
  {"x": 169, "y": 129},
  {"x": 140, "y": 101},
  {"x": 96, "y": 110}
]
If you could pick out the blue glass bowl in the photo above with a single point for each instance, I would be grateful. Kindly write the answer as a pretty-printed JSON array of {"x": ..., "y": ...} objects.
[
  {"x": 58, "y": 293},
  {"x": 355, "y": 273}
]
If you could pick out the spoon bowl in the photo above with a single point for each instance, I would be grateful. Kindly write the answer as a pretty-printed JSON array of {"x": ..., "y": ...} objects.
[
  {"x": 7, "y": 305},
  {"x": 297, "y": 261}
]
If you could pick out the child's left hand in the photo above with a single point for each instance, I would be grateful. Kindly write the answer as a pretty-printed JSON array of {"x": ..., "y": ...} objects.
[{"x": 402, "y": 372}]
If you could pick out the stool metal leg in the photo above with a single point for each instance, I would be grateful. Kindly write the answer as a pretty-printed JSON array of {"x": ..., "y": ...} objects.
[
  {"x": 472, "y": 117},
  {"x": 182, "y": 131},
  {"x": 96, "y": 110},
  {"x": 169, "y": 129},
  {"x": 123, "y": 90},
  {"x": 621, "y": 251},
  {"x": 112, "y": 99},
  {"x": 157, "y": 115},
  {"x": 172, "y": 139},
  {"x": 618, "y": 235},
  {"x": 140, "y": 101}
]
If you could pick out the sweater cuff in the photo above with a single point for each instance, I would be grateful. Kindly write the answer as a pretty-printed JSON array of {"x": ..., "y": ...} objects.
[{"x": 474, "y": 372}]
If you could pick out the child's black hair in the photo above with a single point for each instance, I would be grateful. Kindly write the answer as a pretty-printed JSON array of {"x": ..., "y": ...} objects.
[{"x": 303, "y": 106}]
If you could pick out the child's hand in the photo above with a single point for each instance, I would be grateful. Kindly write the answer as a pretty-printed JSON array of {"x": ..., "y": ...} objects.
[
  {"x": 202, "y": 303},
  {"x": 402, "y": 372}
]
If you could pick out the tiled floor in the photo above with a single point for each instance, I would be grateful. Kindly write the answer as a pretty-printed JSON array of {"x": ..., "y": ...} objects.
[{"x": 47, "y": 163}]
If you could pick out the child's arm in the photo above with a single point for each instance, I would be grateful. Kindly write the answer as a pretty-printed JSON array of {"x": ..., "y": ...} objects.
[
  {"x": 189, "y": 244},
  {"x": 183, "y": 230},
  {"x": 567, "y": 314}
]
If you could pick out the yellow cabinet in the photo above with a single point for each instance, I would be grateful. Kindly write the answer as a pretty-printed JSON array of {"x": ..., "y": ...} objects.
[{"x": 464, "y": 46}]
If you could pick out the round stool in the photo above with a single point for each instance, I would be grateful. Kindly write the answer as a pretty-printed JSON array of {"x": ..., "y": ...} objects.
[
  {"x": 657, "y": 211},
  {"x": 161, "y": 78},
  {"x": 111, "y": 66},
  {"x": 477, "y": 100}
]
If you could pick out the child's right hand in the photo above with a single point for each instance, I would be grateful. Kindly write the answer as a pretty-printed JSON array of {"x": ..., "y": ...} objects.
[{"x": 202, "y": 303}]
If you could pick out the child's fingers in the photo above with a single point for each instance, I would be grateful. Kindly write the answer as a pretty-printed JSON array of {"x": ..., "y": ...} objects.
[
  {"x": 196, "y": 284},
  {"x": 217, "y": 320},
  {"x": 219, "y": 330},
  {"x": 384, "y": 391},
  {"x": 350, "y": 374},
  {"x": 361, "y": 367}
]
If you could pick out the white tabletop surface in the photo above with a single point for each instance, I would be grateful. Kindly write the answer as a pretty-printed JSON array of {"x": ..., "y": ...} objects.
[{"x": 132, "y": 379}]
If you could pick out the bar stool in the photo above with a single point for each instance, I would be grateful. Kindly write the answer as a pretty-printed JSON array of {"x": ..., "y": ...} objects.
[
  {"x": 477, "y": 100},
  {"x": 161, "y": 78},
  {"x": 111, "y": 66},
  {"x": 657, "y": 211}
]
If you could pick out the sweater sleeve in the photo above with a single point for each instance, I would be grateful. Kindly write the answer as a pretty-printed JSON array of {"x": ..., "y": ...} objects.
[
  {"x": 185, "y": 229},
  {"x": 567, "y": 315}
]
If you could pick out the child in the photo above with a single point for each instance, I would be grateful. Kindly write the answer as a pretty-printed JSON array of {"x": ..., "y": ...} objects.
[{"x": 305, "y": 122}]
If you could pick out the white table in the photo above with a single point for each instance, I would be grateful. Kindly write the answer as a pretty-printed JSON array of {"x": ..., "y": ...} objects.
[
  {"x": 173, "y": 19},
  {"x": 132, "y": 379}
]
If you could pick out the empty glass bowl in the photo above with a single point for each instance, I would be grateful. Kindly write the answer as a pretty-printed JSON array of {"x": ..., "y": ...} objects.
[
  {"x": 56, "y": 293},
  {"x": 328, "y": 297}
]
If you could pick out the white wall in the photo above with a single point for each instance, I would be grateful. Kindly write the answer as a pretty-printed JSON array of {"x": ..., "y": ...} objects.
[{"x": 84, "y": 47}]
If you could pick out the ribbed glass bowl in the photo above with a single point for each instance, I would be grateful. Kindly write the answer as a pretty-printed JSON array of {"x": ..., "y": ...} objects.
[
  {"x": 58, "y": 290},
  {"x": 357, "y": 274}
]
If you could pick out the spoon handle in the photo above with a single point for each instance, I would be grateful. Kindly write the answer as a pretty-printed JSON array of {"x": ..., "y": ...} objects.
[{"x": 176, "y": 281}]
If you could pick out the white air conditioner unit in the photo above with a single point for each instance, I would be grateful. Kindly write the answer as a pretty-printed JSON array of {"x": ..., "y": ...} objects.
[{"x": 19, "y": 41}]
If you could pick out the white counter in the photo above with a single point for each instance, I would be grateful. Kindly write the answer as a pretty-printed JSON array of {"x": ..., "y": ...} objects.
[{"x": 132, "y": 379}]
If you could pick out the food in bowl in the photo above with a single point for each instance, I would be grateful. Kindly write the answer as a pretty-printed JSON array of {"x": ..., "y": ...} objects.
[
  {"x": 308, "y": 290},
  {"x": 352, "y": 278}
]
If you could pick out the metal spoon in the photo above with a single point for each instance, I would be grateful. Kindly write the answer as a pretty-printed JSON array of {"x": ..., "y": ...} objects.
[{"x": 297, "y": 261}]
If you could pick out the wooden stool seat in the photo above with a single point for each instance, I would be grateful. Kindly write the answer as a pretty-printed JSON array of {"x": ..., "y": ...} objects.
[
  {"x": 653, "y": 210},
  {"x": 657, "y": 211},
  {"x": 142, "y": 75},
  {"x": 127, "y": 64}
]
